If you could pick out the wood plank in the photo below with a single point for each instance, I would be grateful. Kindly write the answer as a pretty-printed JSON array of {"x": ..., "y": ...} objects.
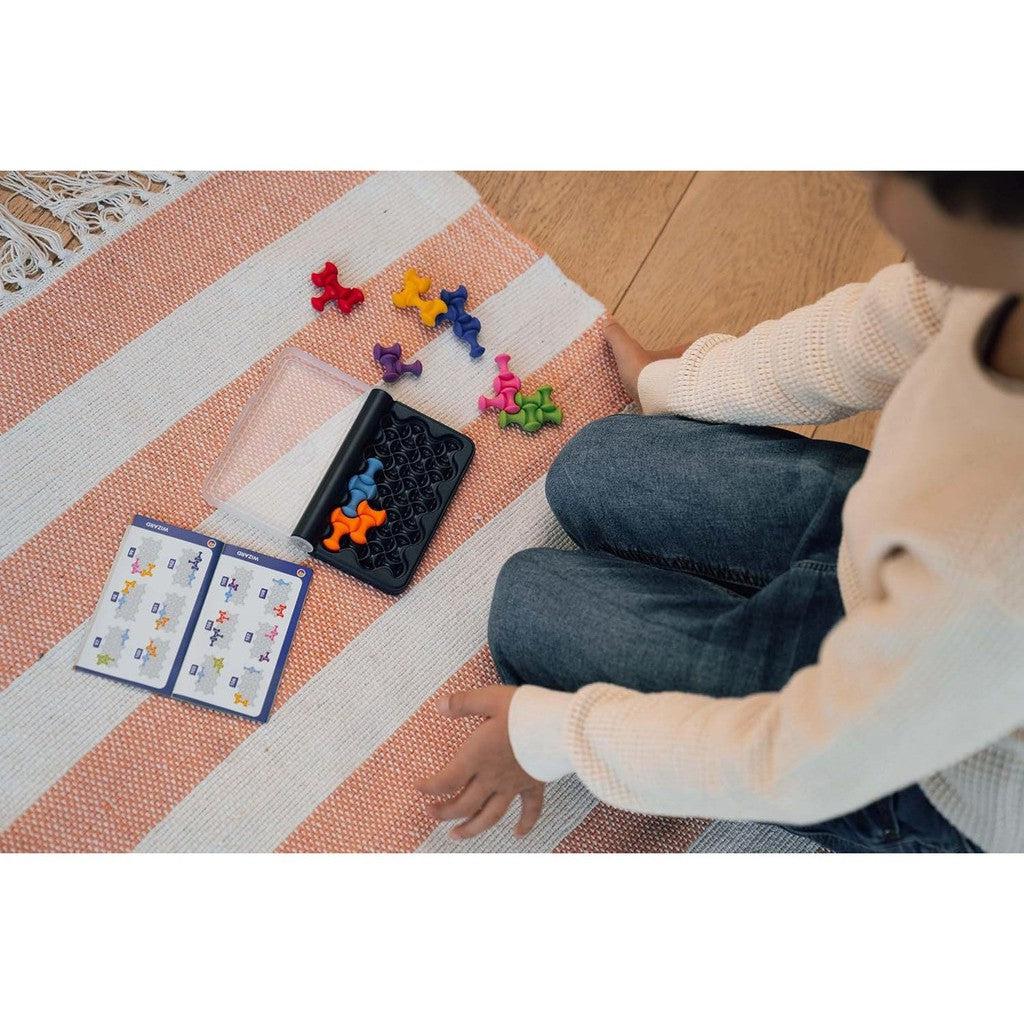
[
  {"x": 597, "y": 226},
  {"x": 745, "y": 247},
  {"x": 859, "y": 429}
]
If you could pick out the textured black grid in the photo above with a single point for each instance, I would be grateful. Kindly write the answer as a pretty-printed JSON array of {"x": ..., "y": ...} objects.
[{"x": 415, "y": 464}]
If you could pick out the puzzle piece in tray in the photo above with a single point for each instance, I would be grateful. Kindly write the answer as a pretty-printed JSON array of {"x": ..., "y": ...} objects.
[
  {"x": 389, "y": 357},
  {"x": 413, "y": 289},
  {"x": 534, "y": 411},
  {"x": 362, "y": 487},
  {"x": 366, "y": 518},
  {"x": 327, "y": 279},
  {"x": 240, "y": 699},
  {"x": 465, "y": 326},
  {"x": 279, "y": 610}
]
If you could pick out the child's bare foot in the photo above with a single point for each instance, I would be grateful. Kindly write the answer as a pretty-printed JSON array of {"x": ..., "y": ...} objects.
[{"x": 630, "y": 356}]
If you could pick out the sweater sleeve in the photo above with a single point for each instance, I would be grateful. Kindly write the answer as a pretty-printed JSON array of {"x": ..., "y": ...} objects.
[
  {"x": 902, "y": 688},
  {"x": 843, "y": 354}
]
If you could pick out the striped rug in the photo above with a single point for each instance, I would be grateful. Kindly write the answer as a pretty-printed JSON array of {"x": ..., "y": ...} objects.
[{"x": 122, "y": 374}]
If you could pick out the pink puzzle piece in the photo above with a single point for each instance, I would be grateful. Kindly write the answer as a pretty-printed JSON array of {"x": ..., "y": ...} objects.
[{"x": 505, "y": 386}]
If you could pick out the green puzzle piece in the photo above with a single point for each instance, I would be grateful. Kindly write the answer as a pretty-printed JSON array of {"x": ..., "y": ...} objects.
[{"x": 534, "y": 411}]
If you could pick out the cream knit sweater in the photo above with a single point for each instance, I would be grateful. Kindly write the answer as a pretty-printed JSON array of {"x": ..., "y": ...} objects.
[{"x": 923, "y": 679}]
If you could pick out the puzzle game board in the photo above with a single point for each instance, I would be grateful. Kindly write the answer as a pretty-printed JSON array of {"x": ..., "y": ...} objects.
[{"x": 190, "y": 617}]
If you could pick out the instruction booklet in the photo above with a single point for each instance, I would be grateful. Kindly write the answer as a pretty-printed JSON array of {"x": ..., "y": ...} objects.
[{"x": 189, "y": 616}]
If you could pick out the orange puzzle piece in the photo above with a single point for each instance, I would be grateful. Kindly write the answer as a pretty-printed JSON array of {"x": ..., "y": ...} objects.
[
  {"x": 413, "y": 288},
  {"x": 366, "y": 518}
]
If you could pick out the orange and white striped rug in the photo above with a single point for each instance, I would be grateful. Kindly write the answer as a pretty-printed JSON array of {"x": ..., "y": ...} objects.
[{"x": 122, "y": 373}]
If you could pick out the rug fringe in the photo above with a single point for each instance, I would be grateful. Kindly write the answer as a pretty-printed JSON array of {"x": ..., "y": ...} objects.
[{"x": 88, "y": 202}]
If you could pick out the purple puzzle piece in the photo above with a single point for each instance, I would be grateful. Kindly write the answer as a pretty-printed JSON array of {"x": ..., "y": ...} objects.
[{"x": 390, "y": 359}]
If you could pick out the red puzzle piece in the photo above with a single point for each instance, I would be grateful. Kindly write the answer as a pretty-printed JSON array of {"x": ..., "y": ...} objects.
[{"x": 346, "y": 298}]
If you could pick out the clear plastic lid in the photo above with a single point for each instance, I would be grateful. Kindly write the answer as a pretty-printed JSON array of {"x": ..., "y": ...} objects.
[{"x": 283, "y": 443}]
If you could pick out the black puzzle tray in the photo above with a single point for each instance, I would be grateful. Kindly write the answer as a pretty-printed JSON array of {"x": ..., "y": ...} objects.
[
  {"x": 310, "y": 428},
  {"x": 423, "y": 463}
]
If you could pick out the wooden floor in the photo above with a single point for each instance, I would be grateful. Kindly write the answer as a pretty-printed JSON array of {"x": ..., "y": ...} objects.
[{"x": 678, "y": 254}]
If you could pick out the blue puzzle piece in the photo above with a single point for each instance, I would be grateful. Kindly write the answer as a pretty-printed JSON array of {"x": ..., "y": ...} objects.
[
  {"x": 465, "y": 327},
  {"x": 362, "y": 487}
]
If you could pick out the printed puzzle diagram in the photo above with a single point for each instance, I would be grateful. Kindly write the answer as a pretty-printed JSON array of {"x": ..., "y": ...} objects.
[
  {"x": 206, "y": 675},
  {"x": 262, "y": 641},
  {"x": 168, "y": 614},
  {"x": 276, "y": 597},
  {"x": 130, "y": 598},
  {"x": 152, "y": 658},
  {"x": 249, "y": 688},
  {"x": 221, "y": 630},
  {"x": 144, "y": 555},
  {"x": 236, "y": 586},
  {"x": 109, "y": 648},
  {"x": 186, "y": 569}
]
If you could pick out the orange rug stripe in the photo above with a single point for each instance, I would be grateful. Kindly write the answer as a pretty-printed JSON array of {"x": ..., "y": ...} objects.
[
  {"x": 68, "y": 329},
  {"x": 109, "y": 799},
  {"x": 376, "y": 809},
  {"x": 161, "y": 479}
]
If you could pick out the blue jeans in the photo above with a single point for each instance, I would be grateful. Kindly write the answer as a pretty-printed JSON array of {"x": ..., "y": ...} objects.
[{"x": 706, "y": 564}]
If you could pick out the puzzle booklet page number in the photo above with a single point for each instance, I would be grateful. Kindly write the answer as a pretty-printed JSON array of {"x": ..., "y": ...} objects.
[{"x": 190, "y": 617}]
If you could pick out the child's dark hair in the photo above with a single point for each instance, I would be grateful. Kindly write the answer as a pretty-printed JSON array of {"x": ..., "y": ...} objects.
[{"x": 994, "y": 196}]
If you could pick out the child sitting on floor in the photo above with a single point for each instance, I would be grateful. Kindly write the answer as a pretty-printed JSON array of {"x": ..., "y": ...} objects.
[{"x": 795, "y": 631}]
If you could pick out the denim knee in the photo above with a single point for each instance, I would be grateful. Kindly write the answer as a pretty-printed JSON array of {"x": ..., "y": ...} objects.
[
  {"x": 513, "y": 604},
  {"x": 578, "y": 463}
]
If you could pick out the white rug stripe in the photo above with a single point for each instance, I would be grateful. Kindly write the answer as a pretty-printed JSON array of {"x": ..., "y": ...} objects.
[
  {"x": 269, "y": 784},
  {"x": 134, "y": 396},
  {"x": 566, "y": 803},
  {"x": 73, "y": 257},
  {"x": 750, "y": 837},
  {"x": 37, "y": 703},
  {"x": 50, "y": 717}
]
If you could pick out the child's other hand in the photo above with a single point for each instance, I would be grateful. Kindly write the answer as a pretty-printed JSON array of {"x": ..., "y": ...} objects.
[
  {"x": 630, "y": 356},
  {"x": 485, "y": 772}
]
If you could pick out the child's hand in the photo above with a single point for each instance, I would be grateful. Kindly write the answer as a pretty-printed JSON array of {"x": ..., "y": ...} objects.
[
  {"x": 485, "y": 770},
  {"x": 630, "y": 356}
]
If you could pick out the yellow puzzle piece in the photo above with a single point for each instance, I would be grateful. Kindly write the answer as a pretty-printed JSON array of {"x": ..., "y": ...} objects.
[
  {"x": 412, "y": 295},
  {"x": 239, "y": 699}
]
